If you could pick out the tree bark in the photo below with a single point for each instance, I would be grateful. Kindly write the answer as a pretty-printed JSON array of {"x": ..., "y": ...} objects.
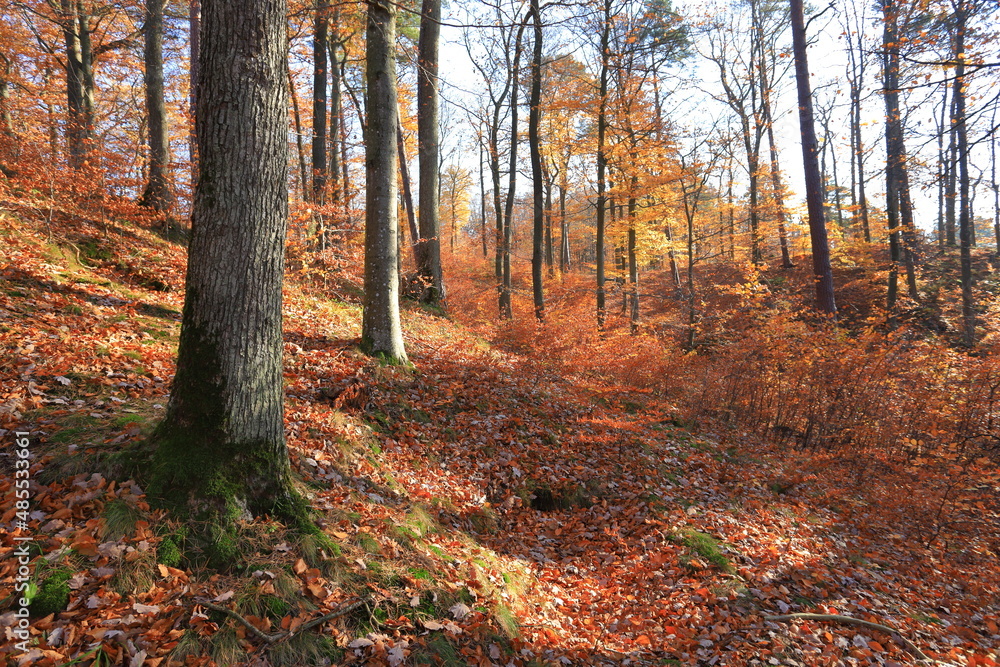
[
  {"x": 381, "y": 329},
  {"x": 602, "y": 161},
  {"x": 319, "y": 116},
  {"x": 814, "y": 196},
  {"x": 404, "y": 176},
  {"x": 429, "y": 150},
  {"x": 538, "y": 182},
  {"x": 221, "y": 452},
  {"x": 78, "y": 122},
  {"x": 194, "y": 40},
  {"x": 965, "y": 220},
  {"x": 157, "y": 194},
  {"x": 897, "y": 180}
]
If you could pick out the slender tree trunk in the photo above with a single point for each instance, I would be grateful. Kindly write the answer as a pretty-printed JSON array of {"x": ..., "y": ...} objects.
[
  {"x": 779, "y": 196},
  {"x": 194, "y": 39},
  {"x": 731, "y": 207},
  {"x": 381, "y": 330},
  {"x": 814, "y": 200},
  {"x": 87, "y": 74},
  {"x": 428, "y": 142},
  {"x": 482, "y": 201},
  {"x": 941, "y": 169},
  {"x": 157, "y": 194},
  {"x": 564, "y": 254},
  {"x": 602, "y": 161},
  {"x": 336, "y": 112},
  {"x": 506, "y": 308},
  {"x": 857, "y": 144},
  {"x": 895, "y": 147},
  {"x": 538, "y": 182},
  {"x": 965, "y": 221},
  {"x": 995, "y": 186},
  {"x": 404, "y": 176},
  {"x": 779, "y": 192},
  {"x": 300, "y": 147},
  {"x": 321, "y": 47},
  {"x": 633, "y": 262},
  {"x": 549, "y": 250},
  {"x": 221, "y": 452},
  {"x": 951, "y": 169}
]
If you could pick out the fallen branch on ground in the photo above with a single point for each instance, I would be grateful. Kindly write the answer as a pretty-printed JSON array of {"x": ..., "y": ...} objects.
[
  {"x": 850, "y": 620},
  {"x": 278, "y": 636}
]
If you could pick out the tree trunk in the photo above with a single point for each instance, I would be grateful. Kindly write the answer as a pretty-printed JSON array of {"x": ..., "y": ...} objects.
[
  {"x": 538, "y": 183},
  {"x": 896, "y": 171},
  {"x": 381, "y": 330},
  {"x": 951, "y": 169},
  {"x": 404, "y": 176},
  {"x": 319, "y": 115},
  {"x": 995, "y": 186},
  {"x": 77, "y": 122},
  {"x": 564, "y": 253},
  {"x": 550, "y": 261},
  {"x": 602, "y": 161},
  {"x": 429, "y": 149},
  {"x": 194, "y": 39},
  {"x": 336, "y": 111},
  {"x": 962, "y": 142},
  {"x": 300, "y": 147},
  {"x": 814, "y": 199},
  {"x": 482, "y": 201},
  {"x": 221, "y": 453},
  {"x": 157, "y": 194},
  {"x": 779, "y": 196},
  {"x": 506, "y": 308},
  {"x": 633, "y": 262}
]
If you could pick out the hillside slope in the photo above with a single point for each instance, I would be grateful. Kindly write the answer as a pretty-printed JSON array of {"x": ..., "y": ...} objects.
[{"x": 482, "y": 507}]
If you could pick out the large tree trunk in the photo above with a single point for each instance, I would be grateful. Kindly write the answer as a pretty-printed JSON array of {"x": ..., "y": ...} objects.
[
  {"x": 157, "y": 194},
  {"x": 381, "y": 330},
  {"x": 814, "y": 196},
  {"x": 538, "y": 182},
  {"x": 221, "y": 452},
  {"x": 429, "y": 149}
]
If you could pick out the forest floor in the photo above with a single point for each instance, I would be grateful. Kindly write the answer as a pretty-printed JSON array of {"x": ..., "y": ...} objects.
[{"x": 487, "y": 505}]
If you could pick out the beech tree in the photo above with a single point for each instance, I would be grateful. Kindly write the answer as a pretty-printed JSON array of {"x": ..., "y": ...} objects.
[
  {"x": 428, "y": 142},
  {"x": 220, "y": 451},
  {"x": 381, "y": 330},
  {"x": 157, "y": 194},
  {"x": 822, "y": 272}
]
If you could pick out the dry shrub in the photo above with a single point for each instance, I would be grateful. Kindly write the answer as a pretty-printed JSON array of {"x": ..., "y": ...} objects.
[{"x": 786, "y": 376}]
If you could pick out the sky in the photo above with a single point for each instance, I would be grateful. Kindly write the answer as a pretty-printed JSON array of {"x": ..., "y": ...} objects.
[{"x": 827, "y": 61}]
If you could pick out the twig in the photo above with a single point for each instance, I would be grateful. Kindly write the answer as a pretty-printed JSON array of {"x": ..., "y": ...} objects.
[
  {"x": 850, "y": 620},
  {"x": 278, "y": 636}
]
